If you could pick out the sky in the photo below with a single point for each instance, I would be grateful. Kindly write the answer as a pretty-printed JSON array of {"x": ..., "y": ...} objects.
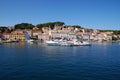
[{"x": 93, "y": 14}]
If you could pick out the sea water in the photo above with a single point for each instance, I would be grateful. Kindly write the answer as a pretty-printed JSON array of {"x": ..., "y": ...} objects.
[{"x": 23, "y": 61}]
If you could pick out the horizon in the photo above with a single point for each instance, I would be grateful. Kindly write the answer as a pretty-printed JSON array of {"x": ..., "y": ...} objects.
[{"x": 93, "y": 14}]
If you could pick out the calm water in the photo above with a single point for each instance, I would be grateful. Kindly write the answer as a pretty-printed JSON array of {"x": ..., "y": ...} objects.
[{"x": 20, "y": 61}]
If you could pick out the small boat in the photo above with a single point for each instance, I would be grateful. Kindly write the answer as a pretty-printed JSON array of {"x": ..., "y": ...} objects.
[
  {"x": 30, "y": 40},
  {"x": 14, "y": 40},
  {"x": 80, "y": 43},
  {"x": 66, "y": 43},
  {"x": 83, "y": 43},
  {"x": 6, "y": 41},
  {"x": 52, "y": 43}
]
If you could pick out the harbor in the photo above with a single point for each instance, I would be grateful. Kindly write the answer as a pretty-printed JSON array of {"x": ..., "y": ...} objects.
[
  {"x": 59, "y": 39},
  {"x": 59, "y": 36}
]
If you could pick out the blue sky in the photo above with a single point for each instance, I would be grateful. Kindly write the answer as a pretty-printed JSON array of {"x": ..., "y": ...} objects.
[{"x": 95, "y": 14}]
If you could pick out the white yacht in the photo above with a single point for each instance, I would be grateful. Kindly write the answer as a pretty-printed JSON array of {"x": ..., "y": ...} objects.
[
  {"x": 80, "y": 43},
  {"x": 66, "y": 43},
  {"x": 30, "y": 40},
  {"x": 83, "y": 43},
  {"x": 52, "y": 43}
]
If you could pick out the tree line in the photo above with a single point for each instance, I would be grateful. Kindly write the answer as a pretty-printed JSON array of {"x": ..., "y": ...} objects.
[
  {"x": 40, "y": 26},
  {"x": 5, "y": 29},
  {"x": 48, "y": 24},
  {"x": 116, "y": 32}
]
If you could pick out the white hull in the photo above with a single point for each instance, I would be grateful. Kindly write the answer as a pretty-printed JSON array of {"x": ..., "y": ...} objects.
[
  {"x": 66, "y": 43},
  {"x": 52, "y": 43},
  {"x": 30, "y": 40},
  {"x": 84, "y": 44}
]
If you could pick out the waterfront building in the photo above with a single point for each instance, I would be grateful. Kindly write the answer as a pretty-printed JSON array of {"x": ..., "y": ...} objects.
[
  {"x": 6, "y": 36},
  {"x": 17, "y": 36},
  {"x": 96, "y": 32},
  {"x": 45, "y": 30},
  {"x": 63, "y": 33},
  {"x": 44, "y": 37},
  {"x": 72, "y": 33},
  {"x": 36, "y": 32},
  {"x": 103, "y": 36},
  {"x": 86, "y": 37},
  {"x": 107, "y": 35},
  {"x": 71, "y": 28},
  {"x": 18, "y": 31}
]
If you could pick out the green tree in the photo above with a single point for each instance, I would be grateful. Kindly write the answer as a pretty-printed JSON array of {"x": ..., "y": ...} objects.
[
  {"x": 39, "y": 26},
  {"x": 59, "y": 23},
  {"x": 50, "y": 24},
  {"x": 24, "y": 26},
  {"x": 75, "y": 26},
  {"x": 3, "y": 29},
  {"x": 116, "y": 32}
]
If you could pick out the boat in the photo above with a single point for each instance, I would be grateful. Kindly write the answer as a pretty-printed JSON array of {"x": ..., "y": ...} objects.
[
  {"x": 6, "y": 41},
  {"x": 80, "y": 43},
  {"x": 14, "y": 40},
  {"x": 30, "y": 40},
  {"x": 66, "y": 43},
  {"x": 52, "y": 43},
  {"x": 83, "y": 43}
]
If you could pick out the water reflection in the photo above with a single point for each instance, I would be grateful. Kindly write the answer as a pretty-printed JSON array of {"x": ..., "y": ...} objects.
[
  {"x": 102, "y": 43},
  {"x": 16, "y": 44},
  {"x": 21, "y": 44}
]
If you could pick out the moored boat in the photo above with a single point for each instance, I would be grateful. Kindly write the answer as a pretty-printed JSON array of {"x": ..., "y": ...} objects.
[
  {"x": 30, "y": 40},
  {"x": 52, "y": 43},
  {"x": 83, "y": 43},
  {"x": 80, "y": 43},
  {"x": 6, "y": 41},
  {"x": 66, "y": 43}
]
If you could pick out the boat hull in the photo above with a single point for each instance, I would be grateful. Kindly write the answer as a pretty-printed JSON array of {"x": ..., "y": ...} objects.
[{"x": 52, "y": 43}]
